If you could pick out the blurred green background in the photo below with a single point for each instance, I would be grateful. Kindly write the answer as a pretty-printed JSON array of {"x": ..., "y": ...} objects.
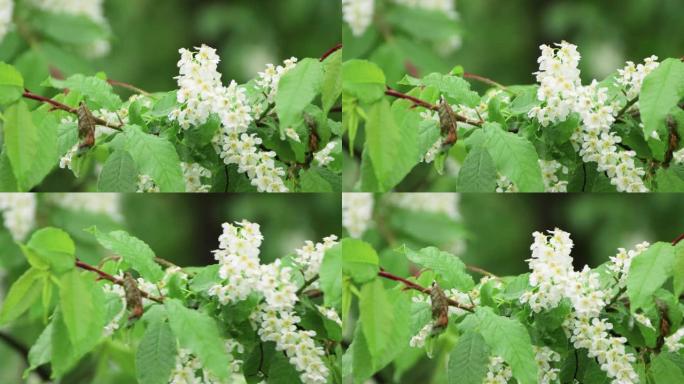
[{"x": 247, "y": 34}]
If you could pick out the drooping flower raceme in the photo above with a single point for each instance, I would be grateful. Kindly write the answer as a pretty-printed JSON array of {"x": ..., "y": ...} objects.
[
  {"x": 549, "y": 175},
  {"x": 270, "y": 78},
  {"x": 357, "y": 211},
  {"x": 193, "y": 174},
  {"x": 242, "y": 275},
  {"x": 322, "y": 157},
  {"x": 6, "y": 9},
  {"x": 19, "y": 213},
  {"x": 202, "y": 95},
  {"x": 358, "y": 14},
  {"x": 553, "y": 280},
  {"x": 631, "y": 77},
  {"x": 562, "y": 94},
  {"x": 674, "y": 341}
]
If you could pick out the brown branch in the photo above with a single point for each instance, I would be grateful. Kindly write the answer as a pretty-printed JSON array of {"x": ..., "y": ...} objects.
[
  {"x": 57, "y": 105},
  {"x": 678, "y": 239},
  {"x": 411, "y": 285},
  {"x": 331, "y": 51},
  {"x": 481, "y": 271},
  {"x": 106, "y": 276},
  {"x": 483, "y": 79},
  {"x": 422, "y": 103},
  {"x": 128, "y": 86}
]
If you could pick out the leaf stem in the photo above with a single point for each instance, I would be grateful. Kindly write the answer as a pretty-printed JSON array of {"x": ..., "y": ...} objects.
[
  {"x": 411, "y": 285},
  {"x": 486, "y": 80},
  {"x": 128, "y": 86},
  {"x": 422, "y": 103}
]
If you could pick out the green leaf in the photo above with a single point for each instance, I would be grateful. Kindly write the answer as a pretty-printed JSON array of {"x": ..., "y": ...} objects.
[
  {"x": 297, "y": 89},
  {"x": 648, "y": 272},
  {"x": 8, "y": 183},
  {"x": 281, "y": 371},
  {"x": 449, "y": 267},
  {"x": 670, "y": 179},
  {"x": 376, "y": 313},
  {"x": 155, "y": 157},
  {"x": 664, "y": 370},
  {"x": 21, "y": 141},
  {"x": 82, "y": 305},
  {"x": 95, "y": 90},
  {"x": 317, "y": 179},
  {"x": 363, "y": 80},
  {"x": 515, "y": 157},
  {"x": 133, "y": 251},
  {"x": 67, "y": 28},
  {"x": 509, "y": 339},
  {"x": 455, "y": 88},
  {"x": 331, "y": 276},
  {"x": 47, "y": 156},
  {"x": 11, "y": 84},
  {"x": 661, "y": 91},
  {"x": 477, "y": 173},
  {"x": 41, "y": 352},
  {"x": 359, "y": 260},
  {"x": 424, "y": 24},
  {"x": 52, "y": 248},
  {"x": 119, "y": 174},
  {"x": 391, "y": 148},
  {"x": 469, "y": 360},
  {"x": 332, "y": 81},
  {"x": 156, "y": 355},
  {"x": 678, "y": 270},
  {"x": 199, "y": 333},
  {"x": 22, "y": 294},
  {"x": 64, "y": 353}
]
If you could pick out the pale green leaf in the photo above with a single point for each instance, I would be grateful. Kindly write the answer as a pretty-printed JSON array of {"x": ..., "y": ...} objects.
[
  {"x": 156, "y": 355},
  {"x": 119, "y": 174},
  {"x": 22, "y": 294},
  {"x": 359, "y": 260},
  {"x": 155, "y": 157},
  {"x": 133, "y": 251},
  {"x": 648, "y": 272},
  {"x": 468, "y": 361},
  {"x": 11, "y": 84},
  {"x": 449, "y": 267},
  {"x": 297, "y": 89}
]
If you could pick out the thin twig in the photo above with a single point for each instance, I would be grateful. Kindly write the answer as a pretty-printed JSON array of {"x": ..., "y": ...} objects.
[
  {"x": 422, "y": 103},
  {"x": 128, "y": 86},
  {"x": 483, "y": 79},
  {"x": 30, "y": 95},
  {"x": 307, "y": 284},
  {"x": 626, "y": 107},
  {"x": 331, "y": 51},
  {"x": 106, "y": 276},
  {"x": 411, "y": 285},
  {"x": 481, "y": 271}
]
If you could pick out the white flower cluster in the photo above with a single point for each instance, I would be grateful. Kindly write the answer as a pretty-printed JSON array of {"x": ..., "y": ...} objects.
[
  {"x": 114, "y": 323},
  {"x": 193, "y": 174},
  {"x": 620, "y": 263},
  {"x": 270, "y": 78},
  {"x": 203, "y": 95},
  {"x": 553, "y": 279},
  {"x": 498, "y": 372},
  {"x": 678, "y": 156},
  {"x": 188, "y": 370},
  {"x": 330, "y": 314},
  {"x": 309, "y": 257},
  {"x": 631, "y": 77},
  {"x": 100, "y": 203},
  {"x": 563, "y": 94},
  {"x": 92, "y": 9},
  {"x": 444, "y": 203},
  {"x": 358, "y": 14},
  {"x": 66, "y": 160},
  {"x": 674, "y": 341},
  {"x": 446, "y": 6},
  {"x": 146, "y": 184},
  {"x": 505, "y": 185},
  {"x": 545, "y": 357},
  {"x": 19, "y": 213},
  {"x": 322, "y": 157},
  {"x": 242, "y": 274},
  {"x": 357, "y": 212},
  {"x": 551, "y": 181},
  {"x": 6, "y": 9},
  {"x": 418, "y": 340}
]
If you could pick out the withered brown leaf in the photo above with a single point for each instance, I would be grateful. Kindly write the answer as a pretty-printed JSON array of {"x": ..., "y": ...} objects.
[
  {"x": 440, "y": 308},
  {"x": 133, "y": 296},
  {"x": 86, "y": 127},
  {"x": 447, "y": 122}
]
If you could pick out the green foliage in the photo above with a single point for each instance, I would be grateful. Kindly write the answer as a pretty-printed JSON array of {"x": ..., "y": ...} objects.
[
  {"x": 648, "y": 272},
  {"x": 11, "y": 84},
  {"x": 133, "y": 251},
  {"x": 468, "y": 360},
  {"x": 156, "y": 354},
  {"x": 359, "y": 260}
]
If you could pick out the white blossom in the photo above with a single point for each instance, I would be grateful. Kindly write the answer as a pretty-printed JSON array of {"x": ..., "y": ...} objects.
[
  {"x": 193, "y": 174},
  {"x": 358, "y": 14},
  {"x": 562, "y": 94},
  {"x": 202, "y": 95},
  {"x": 418, "y": 340},
  {"x": 435, "y": 202},
  {"x": 330, "y": 314},
  {"x": 551, "y": 181},
  {"x": 100, "y": 203},
  {"x": 631, "y": 77},
  {"x": 6, "y": 9},
  {"x": 19, "y": 213},
  {"x": 309, "y": 257},
  {"x": 545, "y": 357},
  {"x": 269, "y": 79},
  {"x": 678, "y": 156},
  {"x": 322, "y": 157},
  {"x": 242, "y": 275},
  {"x": 673, "y": 343},
  {"x": 498, "y": 372},
  {"x": 505, "y": 185},
  {"x": 357, "y": 211},
  {"x": 146, "y": 184}
]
